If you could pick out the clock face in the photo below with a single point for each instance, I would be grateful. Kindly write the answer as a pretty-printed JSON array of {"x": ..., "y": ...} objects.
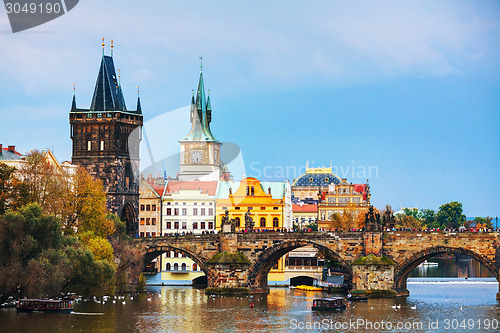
[{"x": 196, "y": 156}]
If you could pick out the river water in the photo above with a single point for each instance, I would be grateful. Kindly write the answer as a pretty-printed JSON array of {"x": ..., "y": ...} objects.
[{"x": 436, "y": 304}]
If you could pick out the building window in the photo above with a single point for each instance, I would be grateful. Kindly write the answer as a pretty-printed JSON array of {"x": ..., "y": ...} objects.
[
  {"x": 176, "y": 225},
  {"x": 331, "y": 199},
  {"x": 176, "y": 267},
  {"x": 169, "y": 225},
  {"x": 184, "y": 211},
  {"x": 184, "y": 266},
  {"x": 237, "y": 208},
  {"x": 184, "y": 225},
  {"x": 184, "y": 204},
  {"x": 169, "y": 211},
  {"x": 89, "y": 145},
  {"x": 148, "y": 208},
  {"x": 262, "y": 208},
  {"x": 169, "y": 203},
  {"x": 238, "y": 222},
  {"x": 167, "y": 254},
  {"x": 176, "y": 211},
  {"x": 248, "y": 189},
  {"x": 210, "y": 211},
  {"x": 203, "y": 203},
  {"x": 141, "y": 234},
  {"x": 210, "y": 203},
  {"x": 195, "y": 225},
  {"x": 275, "y": 222},
  {"x": 202, "y": 225},
  {"x": 153, "y": 208},
  {"x": 326, "y": 180},
  {"x": 195, "y": 203},
  {"x": 142, "y": 208},
  {"x": 153, "y": 221},
  {"x": 148, "y": 234},
  {"x": 253, "y": 191},
  {"x": 262, "y": 222},
  {"x": 275, "y": 208},
  {"x": 102, "y": 144},
  {"x": 195, "y": 267},
  {"x": 310, "y": 179},
  {"x": 153, "y": 234},
  {"x": 210, "y": 225},
  {"x": 195, "y": 211},
  {"x": 168, "y": 267},
  {"x": 202, "y": 212},
  {"x": 147, "y": 221},
  {"x": 181, "y": 255},
  {"x": 142, "y": 220}
]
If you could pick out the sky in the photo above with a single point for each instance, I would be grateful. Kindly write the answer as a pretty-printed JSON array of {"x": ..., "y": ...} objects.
[{"x": 405, "y": 94}]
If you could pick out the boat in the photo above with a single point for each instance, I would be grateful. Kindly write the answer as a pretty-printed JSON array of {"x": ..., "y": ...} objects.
[
  {"x": 426, "y": 263},
  {"x": 329, "y": 304},
  {"x": 309, "y": 288},
  {"x": 45, "y": 305},
  {"x": 356, "y": 298}
]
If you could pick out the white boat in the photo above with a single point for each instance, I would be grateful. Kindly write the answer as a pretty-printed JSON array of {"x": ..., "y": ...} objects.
[{"x": 426, "y": 263}]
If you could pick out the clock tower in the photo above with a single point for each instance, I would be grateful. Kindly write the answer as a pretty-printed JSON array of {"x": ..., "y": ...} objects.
[{"x": 200, "y": 151}]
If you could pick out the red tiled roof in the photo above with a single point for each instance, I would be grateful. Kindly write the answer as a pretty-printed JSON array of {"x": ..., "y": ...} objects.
[
  {"x": 360, "y": 188},
  {"x": 176, "y": 185},
  {"x": 15, "y": 151},
  {"x": 158, "y": 189},
  {"x": 304, "y": 208}
]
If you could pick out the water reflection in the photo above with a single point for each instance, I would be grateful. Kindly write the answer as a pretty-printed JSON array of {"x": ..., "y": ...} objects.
[
  {"x": 451, "y": 267},
  {"x": 185, "y": 309}
]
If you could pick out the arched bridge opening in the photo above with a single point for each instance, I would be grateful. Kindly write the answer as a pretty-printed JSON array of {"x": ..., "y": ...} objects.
[
  {"x": 260, "y": 268},
  {"x": 404, "y": 269}
]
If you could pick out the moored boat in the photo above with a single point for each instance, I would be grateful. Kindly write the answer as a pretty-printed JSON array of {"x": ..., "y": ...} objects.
[
  {"x": 357, "y": 298},
  {"x": 329, "y": 304},
  {"x": 309, "y": 288},
  {"x": 45, "y": 305}
]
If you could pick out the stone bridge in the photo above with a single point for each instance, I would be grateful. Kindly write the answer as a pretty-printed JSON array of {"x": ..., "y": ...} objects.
[{"x": 376, "y": 263}]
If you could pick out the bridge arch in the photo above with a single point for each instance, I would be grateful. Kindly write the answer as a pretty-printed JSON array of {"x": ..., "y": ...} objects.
[
  {"x": 404, "y": 269},
  {"x": 259, "y": 269},
  {"x": 154, "y": 251}
]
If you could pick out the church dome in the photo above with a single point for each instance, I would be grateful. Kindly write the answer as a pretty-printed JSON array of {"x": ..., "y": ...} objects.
[{"x": 317, "y": 177}]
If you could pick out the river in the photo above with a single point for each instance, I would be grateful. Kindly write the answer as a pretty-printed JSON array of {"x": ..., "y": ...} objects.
[{"x": 435, "y": 304}]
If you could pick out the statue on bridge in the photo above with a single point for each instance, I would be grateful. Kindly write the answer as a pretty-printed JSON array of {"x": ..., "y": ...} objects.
[
  {"x": 372, "y": 220},
  {"x": 227, "y": 225},
  {"x": 249, "y": 223}
]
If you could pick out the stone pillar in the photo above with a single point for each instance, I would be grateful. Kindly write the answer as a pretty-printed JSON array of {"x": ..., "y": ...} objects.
[
  {"x": 373, "y": 276},
  {"x": 228, "y": 272},
  {"x": 372, "y": 242}
]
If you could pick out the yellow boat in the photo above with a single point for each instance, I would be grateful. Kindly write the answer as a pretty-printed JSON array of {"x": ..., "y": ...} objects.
[{"x": 309, "y": 288}]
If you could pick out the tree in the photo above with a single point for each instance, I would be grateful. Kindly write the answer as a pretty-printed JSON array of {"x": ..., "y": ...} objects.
[
  {"x": 408, "y": 222},
  {"x": 450, "y": 215},
  {"x": 428, "y": 217},
  {"x": 13, "y": 193}
]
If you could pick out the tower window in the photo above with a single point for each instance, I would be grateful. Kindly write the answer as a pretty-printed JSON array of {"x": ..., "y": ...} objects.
[
  {"x": 248, "y": 190},
  {"x": 102, "y": 145},
  {"x": 253, "y": 191},
  {"x": 89, "y": 145}
]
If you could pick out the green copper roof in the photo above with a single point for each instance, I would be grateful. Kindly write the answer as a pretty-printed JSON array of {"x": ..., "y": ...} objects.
[{"x": 200, "y": 116}]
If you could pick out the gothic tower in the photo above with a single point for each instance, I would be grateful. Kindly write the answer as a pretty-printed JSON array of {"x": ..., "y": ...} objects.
[
  {"x": 200, "y": 151},
  {"x": 106, "y": 141}
]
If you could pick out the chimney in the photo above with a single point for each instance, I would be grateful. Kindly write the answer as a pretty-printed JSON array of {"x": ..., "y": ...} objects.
[{"x": 12, "y": 148}]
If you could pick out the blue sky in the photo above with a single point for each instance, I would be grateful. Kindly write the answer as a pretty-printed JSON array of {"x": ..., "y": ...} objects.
[{"x": 408, "y": 89}]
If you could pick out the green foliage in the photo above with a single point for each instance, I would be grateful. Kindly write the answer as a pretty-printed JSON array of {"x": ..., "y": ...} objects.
[
  {"x": 450, "y": 215},
  {"x": 428, "y": 217},
  {"x": 37, "y": 260},
  {"x": 413, "y": 212}
]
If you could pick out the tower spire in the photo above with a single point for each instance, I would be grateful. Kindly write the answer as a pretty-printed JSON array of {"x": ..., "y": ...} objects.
[
  {"x": 139, "y": 109},
  {"x": 73, "y": 104}
]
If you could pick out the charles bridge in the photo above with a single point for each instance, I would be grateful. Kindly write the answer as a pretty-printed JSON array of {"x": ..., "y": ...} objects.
[{"x": 373, "y": 262}]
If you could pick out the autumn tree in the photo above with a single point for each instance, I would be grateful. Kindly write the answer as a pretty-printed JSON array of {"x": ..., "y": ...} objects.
[{"x": 13, "y": 193}]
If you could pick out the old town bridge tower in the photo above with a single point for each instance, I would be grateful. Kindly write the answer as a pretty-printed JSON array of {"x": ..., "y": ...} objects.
[{"x": 106, "y": 141}]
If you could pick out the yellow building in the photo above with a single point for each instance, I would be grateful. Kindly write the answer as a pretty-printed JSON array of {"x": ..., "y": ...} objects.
[
  {"x": 270, "y": 207},
  {"x": 269, "y": 203}
]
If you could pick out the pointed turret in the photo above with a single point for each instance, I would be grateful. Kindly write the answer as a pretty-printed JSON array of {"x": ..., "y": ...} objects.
[
  {"x": 200, "y": 115},
  {"x": 73, "y": 104},
  {"x": 209, "y": 109},
  {"x": 107, "y": 93}
]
